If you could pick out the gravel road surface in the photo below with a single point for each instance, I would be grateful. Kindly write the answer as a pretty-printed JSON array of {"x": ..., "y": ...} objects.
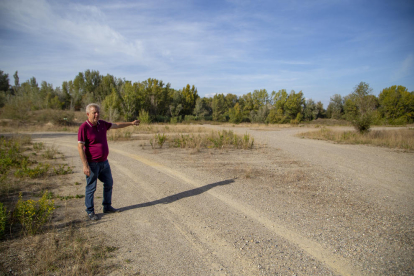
[{"x": 290, "y": 206}]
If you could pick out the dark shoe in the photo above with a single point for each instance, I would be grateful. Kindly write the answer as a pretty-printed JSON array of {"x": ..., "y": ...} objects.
[
  {"x": 110, "y": 209},
  {"x": 92, "y": 216}
]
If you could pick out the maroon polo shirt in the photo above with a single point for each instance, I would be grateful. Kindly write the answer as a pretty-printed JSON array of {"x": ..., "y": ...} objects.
[{"x": 94, "y": 138}]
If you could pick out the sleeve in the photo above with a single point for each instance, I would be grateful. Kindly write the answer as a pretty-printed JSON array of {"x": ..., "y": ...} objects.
[
  {"x": 81, "y": 135},
  {"x": 108, "y": 125}
]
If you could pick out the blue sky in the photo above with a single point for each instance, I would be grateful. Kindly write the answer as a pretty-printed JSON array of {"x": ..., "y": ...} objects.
[{"x": 322, "y": 47}]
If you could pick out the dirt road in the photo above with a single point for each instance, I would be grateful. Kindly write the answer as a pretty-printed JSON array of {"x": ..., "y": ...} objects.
[{"x": 290, "y": 206}]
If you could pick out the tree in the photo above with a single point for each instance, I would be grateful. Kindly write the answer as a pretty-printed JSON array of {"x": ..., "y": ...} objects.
[
  {"x": 279, "y": 100},
  {"x": 219, "y": 108},
  {"x": 16, "y": 79},
  {"x": 277, "y": 113},
  {"x": 294, "y": 104},
  {"x": 111, "y": 106},
  {"x": 260, "y": 98},
  {"x": 310, "y": 111},
  {"x": 235, "y": 114},
  {"x": 396, "y": 102},
  {"x": 4, "y": 82},
  {"x": 359, "y": 107},
  {"x": 201, "y": 108},
  {"x": 129, "y": 98},
  {"x": 261, "y": 115},
  {"x": 336, "y": 107},
  {"x": 321, "y": 110},
  {"x": 92, "y": 81},
  {"x": 176, "y": 104},
  {"x": 189, "y": 99}
]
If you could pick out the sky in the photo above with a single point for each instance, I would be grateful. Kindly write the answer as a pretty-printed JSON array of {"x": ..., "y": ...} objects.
[{"x": 320, "y": 47}]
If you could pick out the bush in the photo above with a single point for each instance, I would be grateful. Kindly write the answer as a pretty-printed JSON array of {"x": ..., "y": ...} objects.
[
  {"x": 362, "y": 123},
  {"x": 32, "y": 215},
  {"x": 160, "y": 139},
  {"x": 189, "y": 118},
  {"x": 175, "y": 120},
  {"x": 161, "y": 119},
  {"x": 144, "y": 117}
]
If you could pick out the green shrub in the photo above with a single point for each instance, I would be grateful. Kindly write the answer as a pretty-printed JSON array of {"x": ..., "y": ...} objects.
[
  {"x": 158, "y": 139},
  {"x": 38, "y": 171},
  {"x": 189, "y": 118},
  {"x": 32, "y": 214},
  {"x": 362, "y": 123},
  {"x": 144, "y": 117},
  {"x": 175, "y": 120},
  {"x": 62, "y": 170},
  {"x": 10, "y": 155}
]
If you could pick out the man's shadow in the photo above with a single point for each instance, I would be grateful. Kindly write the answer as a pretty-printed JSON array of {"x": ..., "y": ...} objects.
[{"x": 172, "y": 198}]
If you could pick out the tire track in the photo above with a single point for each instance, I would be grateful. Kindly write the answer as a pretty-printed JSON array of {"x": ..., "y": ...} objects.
[{"x": 336, "y": 263}]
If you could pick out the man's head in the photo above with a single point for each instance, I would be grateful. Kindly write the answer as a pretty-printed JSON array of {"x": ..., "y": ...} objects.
[{"x": 92, "y": 111}]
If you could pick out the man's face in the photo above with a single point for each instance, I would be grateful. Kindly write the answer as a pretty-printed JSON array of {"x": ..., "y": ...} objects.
[{"x": 93, "y": 115}]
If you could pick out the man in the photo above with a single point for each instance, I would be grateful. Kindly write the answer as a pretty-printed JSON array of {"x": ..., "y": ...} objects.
[{"x": 93, "y": 150}]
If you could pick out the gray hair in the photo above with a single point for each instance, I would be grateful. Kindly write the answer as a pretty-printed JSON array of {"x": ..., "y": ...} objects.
[{"x": 88, "y": 107}]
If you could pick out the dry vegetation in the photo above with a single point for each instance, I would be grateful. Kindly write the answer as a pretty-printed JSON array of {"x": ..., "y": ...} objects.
[
  {"x": 390, "y": 138},
  {"x": 32, "y": 242},
  {"x": 182, "y": 136}
]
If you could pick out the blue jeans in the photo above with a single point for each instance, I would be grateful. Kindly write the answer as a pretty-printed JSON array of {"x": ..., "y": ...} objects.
[{"x": 101, "y": 171}]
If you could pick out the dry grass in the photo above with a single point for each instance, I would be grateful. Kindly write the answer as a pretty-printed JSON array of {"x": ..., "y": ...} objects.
[
  {"x": 390, "y": 138},
  {"x": 68, "y": 251},
  {"x": 61, "y": 248},
  {"x": 161, "y": 128}
]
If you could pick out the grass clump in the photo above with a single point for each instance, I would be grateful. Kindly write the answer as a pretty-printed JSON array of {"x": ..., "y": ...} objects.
[
  {"x": 218, "y": 140},
  {"x": 159, "y": 139},
  {"x": 50, "y": 152},
  {"x": 227, "y": 139},
  {"x": 62, "y": 169},
  {"x": 392, "y": 138},
  {"x": 39, "y": 171}
]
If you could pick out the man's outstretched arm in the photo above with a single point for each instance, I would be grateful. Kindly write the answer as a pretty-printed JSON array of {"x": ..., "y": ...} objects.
[{"x": 124, "y": 124}]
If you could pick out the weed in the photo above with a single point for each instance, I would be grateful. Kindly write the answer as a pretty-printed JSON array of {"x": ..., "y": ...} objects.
[
  {"x": 160, "y": 138},
  {"x": 247, "y": 141},
  {"x": 65, "y": 197},
  {"x": 38, "y": 146},
  {"x": 50, "y": 152},
  {"x": 77, "y": 183},
  {"x": 32, "y": 214},
  {"x": 38, "y": 171}
]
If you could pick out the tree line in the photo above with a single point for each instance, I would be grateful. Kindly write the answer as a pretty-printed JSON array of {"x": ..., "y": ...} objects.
[{"x": 123, "y": 99}]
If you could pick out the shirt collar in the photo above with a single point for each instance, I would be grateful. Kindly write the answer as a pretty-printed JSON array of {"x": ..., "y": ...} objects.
[{"x": 90, "y": 124}]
